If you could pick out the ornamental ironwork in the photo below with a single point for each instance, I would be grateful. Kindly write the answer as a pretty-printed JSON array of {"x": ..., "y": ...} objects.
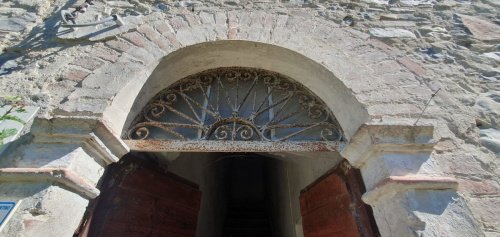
[{"x": 237, "y": 104}]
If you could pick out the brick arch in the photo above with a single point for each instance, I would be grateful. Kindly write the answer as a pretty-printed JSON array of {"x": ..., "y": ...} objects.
[
  {"x": 363, "y": 69},
  {"x": 193, "y": 59}
]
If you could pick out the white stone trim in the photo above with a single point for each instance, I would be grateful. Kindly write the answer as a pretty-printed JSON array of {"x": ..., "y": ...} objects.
[
  {"x": 63, "y": 176},
  {"x": 94, "y": 136},
  {"x": 396, "y": 184},
  {"x": 372, "y": 138},
  {"x": 90, "y": 142}
]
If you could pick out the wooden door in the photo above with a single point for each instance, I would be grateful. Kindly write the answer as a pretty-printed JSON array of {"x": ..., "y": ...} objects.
[
  {"x": 332, "y": 206},
  {"x": 139, "y": 199}
]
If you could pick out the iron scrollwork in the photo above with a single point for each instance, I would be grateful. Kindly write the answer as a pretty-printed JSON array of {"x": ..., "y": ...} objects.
[{"x": 244, "y": 104}]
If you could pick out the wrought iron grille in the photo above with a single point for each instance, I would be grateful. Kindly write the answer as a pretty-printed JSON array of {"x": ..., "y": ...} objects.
[{"x": 235, "y": 104}]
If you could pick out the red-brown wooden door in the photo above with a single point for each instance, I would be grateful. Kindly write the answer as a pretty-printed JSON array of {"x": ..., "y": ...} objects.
[
  {"x": 332, "y": 206},
  {"x": 139, "y": 200}
]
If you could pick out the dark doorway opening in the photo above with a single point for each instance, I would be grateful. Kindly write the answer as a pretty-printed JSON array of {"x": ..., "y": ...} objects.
[
  {"x": 248, "y": 208},
  {"x": 229, "y": 195}
]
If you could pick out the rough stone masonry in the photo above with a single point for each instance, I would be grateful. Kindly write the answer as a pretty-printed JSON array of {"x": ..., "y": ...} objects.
[{"x": 415, "y": 46}]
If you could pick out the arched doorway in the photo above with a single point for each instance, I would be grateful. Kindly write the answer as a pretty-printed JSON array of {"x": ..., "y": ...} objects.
[
  {"x": 223, "y": 194},
  {"x": 255, "y": 179}
]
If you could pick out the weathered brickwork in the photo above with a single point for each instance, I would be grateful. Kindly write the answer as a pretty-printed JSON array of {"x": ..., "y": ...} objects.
[{"x": 391, "y": 55}]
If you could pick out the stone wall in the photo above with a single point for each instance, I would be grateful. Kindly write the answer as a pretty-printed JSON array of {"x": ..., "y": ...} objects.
[{"x": 391, "y": 55}]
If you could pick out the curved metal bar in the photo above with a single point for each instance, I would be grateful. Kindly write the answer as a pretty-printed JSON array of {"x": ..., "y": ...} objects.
[{"x": 227, "y": 116}]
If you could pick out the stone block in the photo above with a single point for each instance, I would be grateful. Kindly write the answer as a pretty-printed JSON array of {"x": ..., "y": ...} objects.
[
  {"x": 84, "y": 106},
  {"x": 412, "y": 66},
  {"x": 490, "y": 138},
  {"x": 383, "y": 95},
  {"x": 191, "y": 19},
  {"x": 12, "y": 24},
  {"x": 105, "y": 53},
  {"x": 399, "y": 24},
  {"x": 479, "y": 187},
  {"x": 207, "y": 33},
  {"x": 187, "y": 37},
  {"x": 220, "y": 18},
  {"x": 101, "y": 93},
  {"x": 391, "y": 33},
  {"x": 121, "y": 71},
  {"x": 74, "y": 74},
  {"x": 280, "y": 35},
  {"x": 88, "y": 62},
  {"x": 119, "y": 45},
  {"x": 173, "y": 40},
  {"x": 385, "y": 67},
  {"x": 488, "y": 106},
  {"x": 178, "y": 23},
  {"x": 207, "y": 18},
  {"x": 136, "y": 39},
  {"x": 489, "y": 217},
  {"x": 493, "y": 55},
  {"x": 154, "y": 36},
  {"x": 481, "y": 29},
  {"x": 163, "y": 27},
  {"x": 464, "y": 163},
  {"x": 258, "y": 19},
  {"x": 402, "y": 109},
  {"x": 152, "y": 50},
  {"x": 137, "y": 55}
]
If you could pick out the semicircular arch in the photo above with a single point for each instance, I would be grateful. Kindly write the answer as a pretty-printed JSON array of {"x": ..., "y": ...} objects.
[
  {"x": 236, "y": 104},
  {"x": 348, "y": 111}
]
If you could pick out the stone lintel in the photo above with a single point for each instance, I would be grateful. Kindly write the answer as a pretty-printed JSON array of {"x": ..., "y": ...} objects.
[
  {"x": 372, "y": 138},
  {"x": 230, "y": 146},
  {"x": 63, "y": 176},
  {"x": 395, "y": 184}
]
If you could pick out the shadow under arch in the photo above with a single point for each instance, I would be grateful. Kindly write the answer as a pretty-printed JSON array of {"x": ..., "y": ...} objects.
[{"x": 349, "y": 112}]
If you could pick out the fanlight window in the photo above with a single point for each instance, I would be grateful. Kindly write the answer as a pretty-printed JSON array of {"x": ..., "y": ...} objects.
[{"x": 236, "y": 104}]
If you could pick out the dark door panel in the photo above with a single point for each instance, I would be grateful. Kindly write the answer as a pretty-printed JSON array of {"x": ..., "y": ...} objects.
[
  {"x": 332, "y": 206},
  {"x": 139, "y": 199}
]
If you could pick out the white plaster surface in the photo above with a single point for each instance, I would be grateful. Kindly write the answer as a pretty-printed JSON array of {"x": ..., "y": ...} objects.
[
  {"x": 425, "y": 213},
  {"x": 44, "y": 209}
]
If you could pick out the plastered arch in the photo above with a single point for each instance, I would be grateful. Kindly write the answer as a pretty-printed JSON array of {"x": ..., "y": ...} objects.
[
  {"x": 357, "y": 76},
  {"x": 199, "y": 57}
]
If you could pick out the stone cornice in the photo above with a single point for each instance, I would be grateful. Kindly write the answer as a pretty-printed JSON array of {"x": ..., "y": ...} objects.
[
  {"x": 395, "y": 184},
  {"x": 65, "y": 177},
  {"x": 376, "y": 137},
  {"x": 92, "y": 133}
]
